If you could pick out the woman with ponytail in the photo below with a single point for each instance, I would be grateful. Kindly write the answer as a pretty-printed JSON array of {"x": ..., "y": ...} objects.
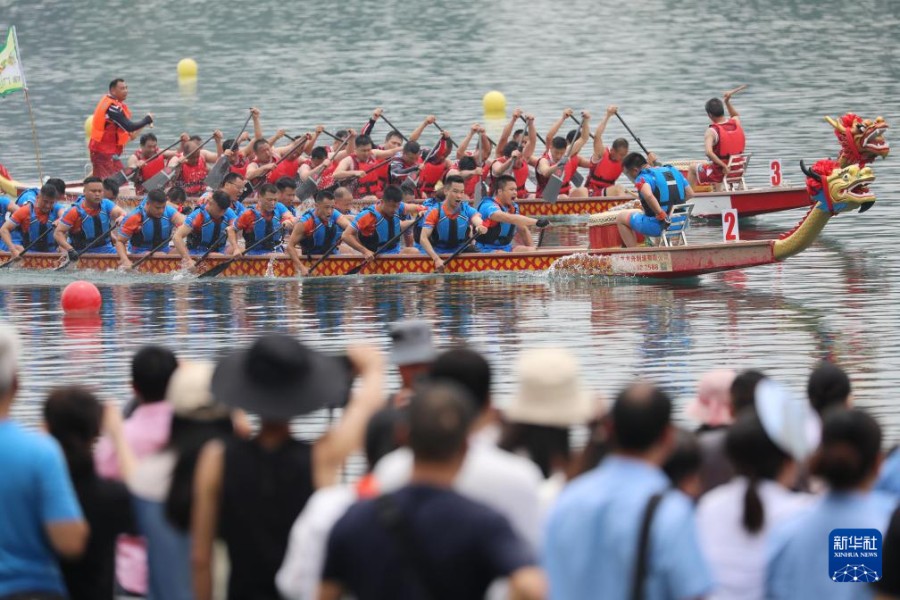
[
  {"x": 847, "y": 461},
  {"x": 733, "y": 519},
  {"x": 75, "y": 417}
]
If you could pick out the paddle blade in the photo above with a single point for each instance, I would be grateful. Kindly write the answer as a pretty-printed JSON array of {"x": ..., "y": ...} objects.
[
  {"x": 479, "y": 192},
  {"x": 551, "y": 191},
  {"x": 357, "y": 268},
  {"x": 120, "y": 178},
  {"x": 158, "y": 181},
  {"x": 217, "y": 173},
  {"x": 409, "y": 185},
  {"x": 216, "y": 270},
  {"x": 577, "y": 179},
  {"x": 307, "y": 189}
]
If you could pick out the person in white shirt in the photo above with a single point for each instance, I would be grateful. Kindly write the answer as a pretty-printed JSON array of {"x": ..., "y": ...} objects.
[
  {"x": 734, "y": 519},
  {"x": 503, "y": 481}
]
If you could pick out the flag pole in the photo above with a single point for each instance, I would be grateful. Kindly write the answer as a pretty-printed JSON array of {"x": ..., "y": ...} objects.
[{"x": 34, "y": 137}]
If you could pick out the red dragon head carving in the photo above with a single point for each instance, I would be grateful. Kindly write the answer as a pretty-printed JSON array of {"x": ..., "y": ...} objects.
[{"x": 862, "y": 140}]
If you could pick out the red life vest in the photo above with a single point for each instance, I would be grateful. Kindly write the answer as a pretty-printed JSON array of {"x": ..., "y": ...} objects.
[
  {"x": 568, "y": 171},
  {"x": 520, "y": 173},
  {"x": 259, "y": 179},
  {"x": 429, "y": 175},
  {"x": 148, "y": 170},
  {"x": 372, "y": 183},
  {"x": 603, "y": 174},
  {"x": 731, "y": 140},
  {"x": 240, "y": 166},
  {"x": 192, "y": 178},
  {"x": 286, "y": 168}
]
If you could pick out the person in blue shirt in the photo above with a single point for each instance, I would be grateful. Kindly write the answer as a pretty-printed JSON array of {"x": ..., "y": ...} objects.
[
  {"x": 268, "y": 221},
  {"x": 207, "y": 228},
  {"x": 92, "y": 217},
  {"x": 146, "y": 227},
  {"x": 507, "y": 230},
  {"x": 32, "y": 223},
  {"x": 591, "y": 536},
  {"x": 40, "y": 517},
  {"x": 659, "y": 190},
  {"x": 377, "y": 225},
  {"x": 318, "y": 230},
  {"x": 848, "y": 460},
  {"x": 446, "y": 227}
]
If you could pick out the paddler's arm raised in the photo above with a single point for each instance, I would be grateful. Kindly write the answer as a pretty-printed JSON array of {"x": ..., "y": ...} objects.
[
  {"x": 498, "y": 169},
  {"x": 464, "y": 145},
  {"x": 531, "y": 142},
  {"x": 311, "y": 141},
  {"x": 732, "y": 111},
  {"x": 599, "y": 146},
  {"x": 417, "y": 132},
  {"x": 257, "y": 127},
  {"x": 507, "y": 131},
  {"x": 554, "y": 129},
  {"x": 580, "y": 141}
]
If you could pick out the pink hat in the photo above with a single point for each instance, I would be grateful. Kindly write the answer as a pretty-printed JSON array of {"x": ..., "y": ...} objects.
[{"x": 712, "y": 406}]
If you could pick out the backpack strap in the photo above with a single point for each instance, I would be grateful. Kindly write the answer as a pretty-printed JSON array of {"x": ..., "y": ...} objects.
[{"x": 641, "y": 566}]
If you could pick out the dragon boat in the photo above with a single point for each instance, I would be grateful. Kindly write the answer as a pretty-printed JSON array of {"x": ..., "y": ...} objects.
[{"x": 832, "y": 189}]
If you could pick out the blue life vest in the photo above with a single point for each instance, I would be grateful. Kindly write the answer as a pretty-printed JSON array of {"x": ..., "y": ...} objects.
[
  {"x": 92, "y": 226},
  {"x": 34, "y": 229},
  {"x": 428, "y": 204},
  {"x": 385, "y": 230},
  {"x": 210, "y": 231},
  {"x": 450, "y": 232},
  {"x": 152, "y": 231},
  {"x": 30, "y": 195},
  {"x": 4, "y": 207},
  {"x": 498, "y": 234},
  {"x": 667, "y": 184},
  {"x": 263, "y": 227},
  {"x": 323, "y": 235}
]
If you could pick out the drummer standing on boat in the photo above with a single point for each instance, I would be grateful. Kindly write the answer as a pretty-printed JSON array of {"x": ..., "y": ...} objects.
[{"x": 111, "y": 129}]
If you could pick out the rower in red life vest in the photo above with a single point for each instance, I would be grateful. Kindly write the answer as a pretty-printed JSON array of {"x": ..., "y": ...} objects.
[
  {"x": 433, "y": 170},
  {"x": 511, "y": 158},
  {"x": 723, "y": 139},
  {"x": 361, "y": 171},
  {"x": 405, "y": 163},
  {"x": 605, "y": 164},
  {"x": 317, "y": 164},
  {"x": 393, "y": 140},
  {"x": 193, "y": 166},
  {"x": 288, "y": 159},
  {"x": 111, "y": 129},
  {"x": 468, "y": 163},
  {"x": 558, "y": 149},
  {"x": 139, "y": 161}
]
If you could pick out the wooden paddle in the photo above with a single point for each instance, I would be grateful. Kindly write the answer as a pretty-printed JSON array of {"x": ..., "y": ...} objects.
[
  {"x": 391, "y": 125},
  {"x": 736, "y": 90},
  {"x": 636, "y": 138},
  {"x": 94, "y": 243},
  {"x": 539, "y": 136},
  {"x": 160, "y": 180},
  {"x": 551, "y": 190},
  {"x": 461, "y": 249},
  {"x": 409, "y": 182},
  {"x": 28, "y": 247},
  {"x": 122, "y": 177},
  {"x": 220, "y": 268},
  {"x": 310, "y": 187},
  {"x": 325, "y": 255},
  {"x": 384, "y": 247},
  {"x": 153, "y": 250},
  {"x": 223, "y": 164},
  {"x": 217, "y": 244}
]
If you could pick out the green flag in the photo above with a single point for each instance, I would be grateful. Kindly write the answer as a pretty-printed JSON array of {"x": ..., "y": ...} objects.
[{"x": 12, "y": 76}]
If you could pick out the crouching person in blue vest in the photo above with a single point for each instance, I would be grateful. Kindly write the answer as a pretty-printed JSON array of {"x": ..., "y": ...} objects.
[
  {"x": 264, "y": 225},
  {"x": 659, "y": 190},
  {"x": 507, "y": 230},
  {"x": 146, "y": 227},
  {"x": 319, "y": 229},
  {"x": 206, "y": 229},
  {"x": 446, "y": 227},
  {"x": 89, "y": 223}
]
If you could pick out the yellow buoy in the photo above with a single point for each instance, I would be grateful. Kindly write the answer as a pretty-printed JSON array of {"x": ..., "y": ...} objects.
[
  {"x": 494, "y": 104},
  {"x": 187, "y": 68},
  {"x": 88, "y": 124}
]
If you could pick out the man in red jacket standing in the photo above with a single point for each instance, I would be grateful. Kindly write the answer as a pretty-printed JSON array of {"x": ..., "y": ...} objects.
[{"x": 111, "y": 129}]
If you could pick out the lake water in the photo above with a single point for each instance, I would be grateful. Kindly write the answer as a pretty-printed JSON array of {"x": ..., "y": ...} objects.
[{"x": 332, "y": 63}]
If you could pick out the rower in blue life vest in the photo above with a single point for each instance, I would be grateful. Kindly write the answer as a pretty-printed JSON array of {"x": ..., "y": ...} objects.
[
  {"x": 146, "y": 227},
  {"x": 507, "y": 230},
  {"x": 317, "y": 231},
  {"x": 91, "y": 217},
  {"x": 207, "y": 228},
  {"x": 31, "y": 222},
  {"x": 659, "y": 190},
  {"x": 446, "y": 228},
  {"x": 381, "y": 223},
  {"x": 268, "y": 220}
]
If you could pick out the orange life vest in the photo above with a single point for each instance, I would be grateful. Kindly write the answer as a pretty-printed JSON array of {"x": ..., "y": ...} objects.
[
  {"x": 105, "y": 134},
  {"x": 603, "y": 174}
]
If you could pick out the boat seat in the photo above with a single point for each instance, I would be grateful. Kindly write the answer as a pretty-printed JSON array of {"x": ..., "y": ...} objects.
[
  {"x": 734, "y": 174},
  {"x": 681, "y": 220}
]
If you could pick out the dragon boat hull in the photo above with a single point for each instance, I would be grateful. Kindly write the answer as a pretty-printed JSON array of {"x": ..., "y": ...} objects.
[{"x": 651, "y": 262}]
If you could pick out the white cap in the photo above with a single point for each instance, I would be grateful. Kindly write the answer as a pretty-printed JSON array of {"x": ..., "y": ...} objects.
[{"x": 789, "y": 420}]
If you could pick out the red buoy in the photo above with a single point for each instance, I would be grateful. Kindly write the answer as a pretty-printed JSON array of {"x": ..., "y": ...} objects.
[{"x": 81, "y": 297}]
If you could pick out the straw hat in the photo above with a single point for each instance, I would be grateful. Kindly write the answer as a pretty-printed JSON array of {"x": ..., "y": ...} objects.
[
  {"x": 712, "y": 405},
  {"x": 190, "y": 394},
  {"x": 550, "y": 391}
]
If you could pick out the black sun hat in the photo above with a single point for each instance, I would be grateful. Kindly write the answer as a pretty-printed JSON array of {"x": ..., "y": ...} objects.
[{"x": 279, "y": 378}]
